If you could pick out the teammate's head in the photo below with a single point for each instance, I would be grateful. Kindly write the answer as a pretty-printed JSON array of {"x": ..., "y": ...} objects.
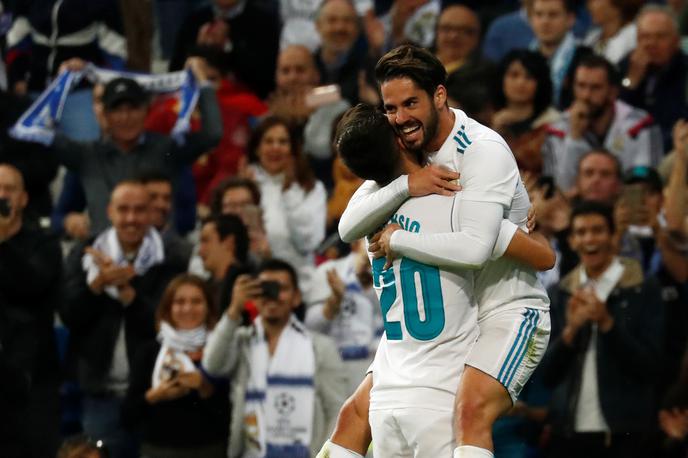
[
  {"x": 412, "y": 82},
  {"x": 592, "y": 229},
  {"x": 367, "y": 144}
]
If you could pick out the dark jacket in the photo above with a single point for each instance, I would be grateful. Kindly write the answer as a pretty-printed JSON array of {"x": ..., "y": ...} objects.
[
  {"x": 254, "y": 34},
  {"x": 662, "y": 93},
  {"x": 101, "y": 165},
  {"x": 94, "y": 320},
  {"x": 189, "y": 421},
  {"x": 345, "y": 74},
  {"x": 30, "y": 270},
  {"x": 629, "y": 356}
]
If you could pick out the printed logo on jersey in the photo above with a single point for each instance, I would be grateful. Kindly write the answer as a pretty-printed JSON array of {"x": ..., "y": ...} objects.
[{"x": 461, "y": 140}]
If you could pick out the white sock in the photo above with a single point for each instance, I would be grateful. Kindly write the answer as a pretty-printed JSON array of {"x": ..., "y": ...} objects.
[
  {"x": 332, "y": 450},
  {"x": 468, "y": 451}
]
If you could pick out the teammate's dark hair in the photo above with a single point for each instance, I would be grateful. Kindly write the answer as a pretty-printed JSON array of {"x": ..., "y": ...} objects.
[
  {"x": 587, "y": 207},
  {"x": 227, "y": 225},
  {"x": 413, "y": 62},
  {"x": 597, "y": 61},
  {"x": 277, "y": 265},
  {"x": 367, "y": 145}
]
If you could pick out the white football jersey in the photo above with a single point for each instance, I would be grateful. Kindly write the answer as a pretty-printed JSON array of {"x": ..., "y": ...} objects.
[
  {"x": 502, "y": 282},
  {"x": 430, "y": 319}
]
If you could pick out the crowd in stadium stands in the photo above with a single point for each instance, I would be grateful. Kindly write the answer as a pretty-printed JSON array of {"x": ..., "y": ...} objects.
[{"x": 150, "y": 284}]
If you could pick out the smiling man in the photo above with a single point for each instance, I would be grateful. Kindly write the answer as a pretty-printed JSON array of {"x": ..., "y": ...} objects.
[{"x": 606, "y": 347}]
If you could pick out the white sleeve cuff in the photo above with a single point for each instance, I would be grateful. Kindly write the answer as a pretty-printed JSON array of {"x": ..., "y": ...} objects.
[{"x": 506, "y": 233}]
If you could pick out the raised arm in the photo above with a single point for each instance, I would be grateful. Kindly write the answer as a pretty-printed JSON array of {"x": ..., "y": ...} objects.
[
  {"x": 371, "y": 206},
  {"x": 489, "y": 178}
]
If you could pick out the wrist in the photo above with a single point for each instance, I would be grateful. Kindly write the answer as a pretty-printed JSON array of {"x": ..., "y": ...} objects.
[{"x": 606, "y": 324}]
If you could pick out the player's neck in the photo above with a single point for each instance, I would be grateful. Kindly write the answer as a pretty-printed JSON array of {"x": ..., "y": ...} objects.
[{"x": 444, "y": 129}]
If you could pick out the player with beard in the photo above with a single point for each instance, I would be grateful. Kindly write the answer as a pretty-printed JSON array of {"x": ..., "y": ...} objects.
[
  {"x": 597, "y": 119},
  {"x": 513, "y": 306}
]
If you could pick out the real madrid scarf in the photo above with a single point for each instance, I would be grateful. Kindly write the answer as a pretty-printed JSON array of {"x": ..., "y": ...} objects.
[
  {"x": 278, "y": 414},
  {"x": 38, "y": 123},
  {"x": 174, "y": 344}
]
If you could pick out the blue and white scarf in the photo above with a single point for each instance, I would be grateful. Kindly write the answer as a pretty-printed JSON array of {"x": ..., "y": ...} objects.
[
  {"x": 38, "y": 123},
  {"x": 151, "y": 252},
  {"x": 279, "y": 408},
  {"x": 174, "y": 344}
]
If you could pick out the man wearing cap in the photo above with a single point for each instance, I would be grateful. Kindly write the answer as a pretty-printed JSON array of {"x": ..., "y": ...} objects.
[{"x": 127, "y": 147}]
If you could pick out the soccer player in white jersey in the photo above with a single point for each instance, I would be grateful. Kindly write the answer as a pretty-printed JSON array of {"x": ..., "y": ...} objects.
[{"x": 513, "y": 315}]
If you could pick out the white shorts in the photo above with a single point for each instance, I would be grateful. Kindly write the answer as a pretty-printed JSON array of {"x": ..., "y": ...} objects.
[
  {"x": 412, "y": 433},
  {"x": 510, "y": 346}
]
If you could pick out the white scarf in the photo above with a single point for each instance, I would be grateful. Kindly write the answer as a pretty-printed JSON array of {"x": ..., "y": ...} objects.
[
  {"x": 151, "y": 252},
  {"x": 278, "y": 414},
  {"x": 172, "y": 358},
  {"x": 38, "y": 123}
]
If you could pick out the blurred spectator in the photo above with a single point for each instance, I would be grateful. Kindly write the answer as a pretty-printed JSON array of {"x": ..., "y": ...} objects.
[
  {"x": 410, "y": 21},
  {"x": 598, "y": 177},
  {"x": 673, "y": 418},
  {"x": 643, "y": 233},
  {"x": 240, "y": 28},
  {"x": 178, "y": 410},
  {"x": 45, "y": 33},
  {"x": 287, "y": 382},
  {"x": 656, "y": 71},
  {"x": 341, "y": 58},
  {"x": 523, "y": 102},
  {"x": 293, "y": 201},
  {"x": 223, "y": 247},
  {"x": 345, "y": 185},
  {"x": 111, "y": 289},
  {"x": 676, "y": 178},
  {"x": 159, "y": 187},
  {"x": 239, "y": 108},
  {"x": 30, "y": 268},
  {"x": 552, "y": 22},
  {"x": 241, "y": 196},
  {"x": 615, "y": 34},
  {"x": 507, "y": 32},
  {"x": 597, "y": 119},
  {"x": 606, "y": 347},
  {"x": 457, "y": 37},
  {"x": 471, "y": 89},
  {"x": 298, "y": 101},
  {"x": 298, "y": 21},
  {"x": 341, "y": 310},
  {"x": 35, "y": 163},
  {"x": 129, "y": 147}
]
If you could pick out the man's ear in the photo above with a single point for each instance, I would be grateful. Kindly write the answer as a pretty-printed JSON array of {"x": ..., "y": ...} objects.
[{"x": 440, "y": 97}]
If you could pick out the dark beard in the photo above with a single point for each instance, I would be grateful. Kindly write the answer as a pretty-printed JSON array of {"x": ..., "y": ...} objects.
[{"x": 429, "y": 131}]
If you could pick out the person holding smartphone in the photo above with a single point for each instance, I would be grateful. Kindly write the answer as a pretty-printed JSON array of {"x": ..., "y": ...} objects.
[{"x": 288, "y": 382}]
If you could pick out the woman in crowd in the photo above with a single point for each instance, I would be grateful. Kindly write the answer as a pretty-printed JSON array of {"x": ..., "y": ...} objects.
[
  {"x": 615, "y": 34},
  {"x": 523, "y": 106},
  {"x": 293, "y": 201},
  {"x": 179, "y": 411}
]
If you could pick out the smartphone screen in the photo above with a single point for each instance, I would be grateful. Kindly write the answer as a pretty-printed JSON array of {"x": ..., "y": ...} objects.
[{"x": 634, "y": 198}]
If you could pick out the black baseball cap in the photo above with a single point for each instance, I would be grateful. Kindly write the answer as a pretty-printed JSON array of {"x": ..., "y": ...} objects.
[
  {"x": 121, "y": 90},
  {"x": 644, "y": 174}
]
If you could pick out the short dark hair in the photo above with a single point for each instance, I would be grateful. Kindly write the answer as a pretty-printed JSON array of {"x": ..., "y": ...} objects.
[
  {"x": 232, "y": 183},
  {"x": 153, "y": 176},
  {"x": 367, "y": 145},
  {"x": 588, "y": 207},
  {"x": 413, "y": 62},
  {"x": 602, "y": 152},
  {"x": 164, "y": 309},
  {"x": 538, "y": 69},
  {"x": 569, "y": 5},
  {"x": 278, "y": 265},
  {"x": 227, "y": 225},
  {"x": 597, "y": 61}
]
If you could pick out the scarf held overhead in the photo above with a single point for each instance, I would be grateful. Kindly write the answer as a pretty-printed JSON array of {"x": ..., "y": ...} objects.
[{"x": 38, "y": 123}]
